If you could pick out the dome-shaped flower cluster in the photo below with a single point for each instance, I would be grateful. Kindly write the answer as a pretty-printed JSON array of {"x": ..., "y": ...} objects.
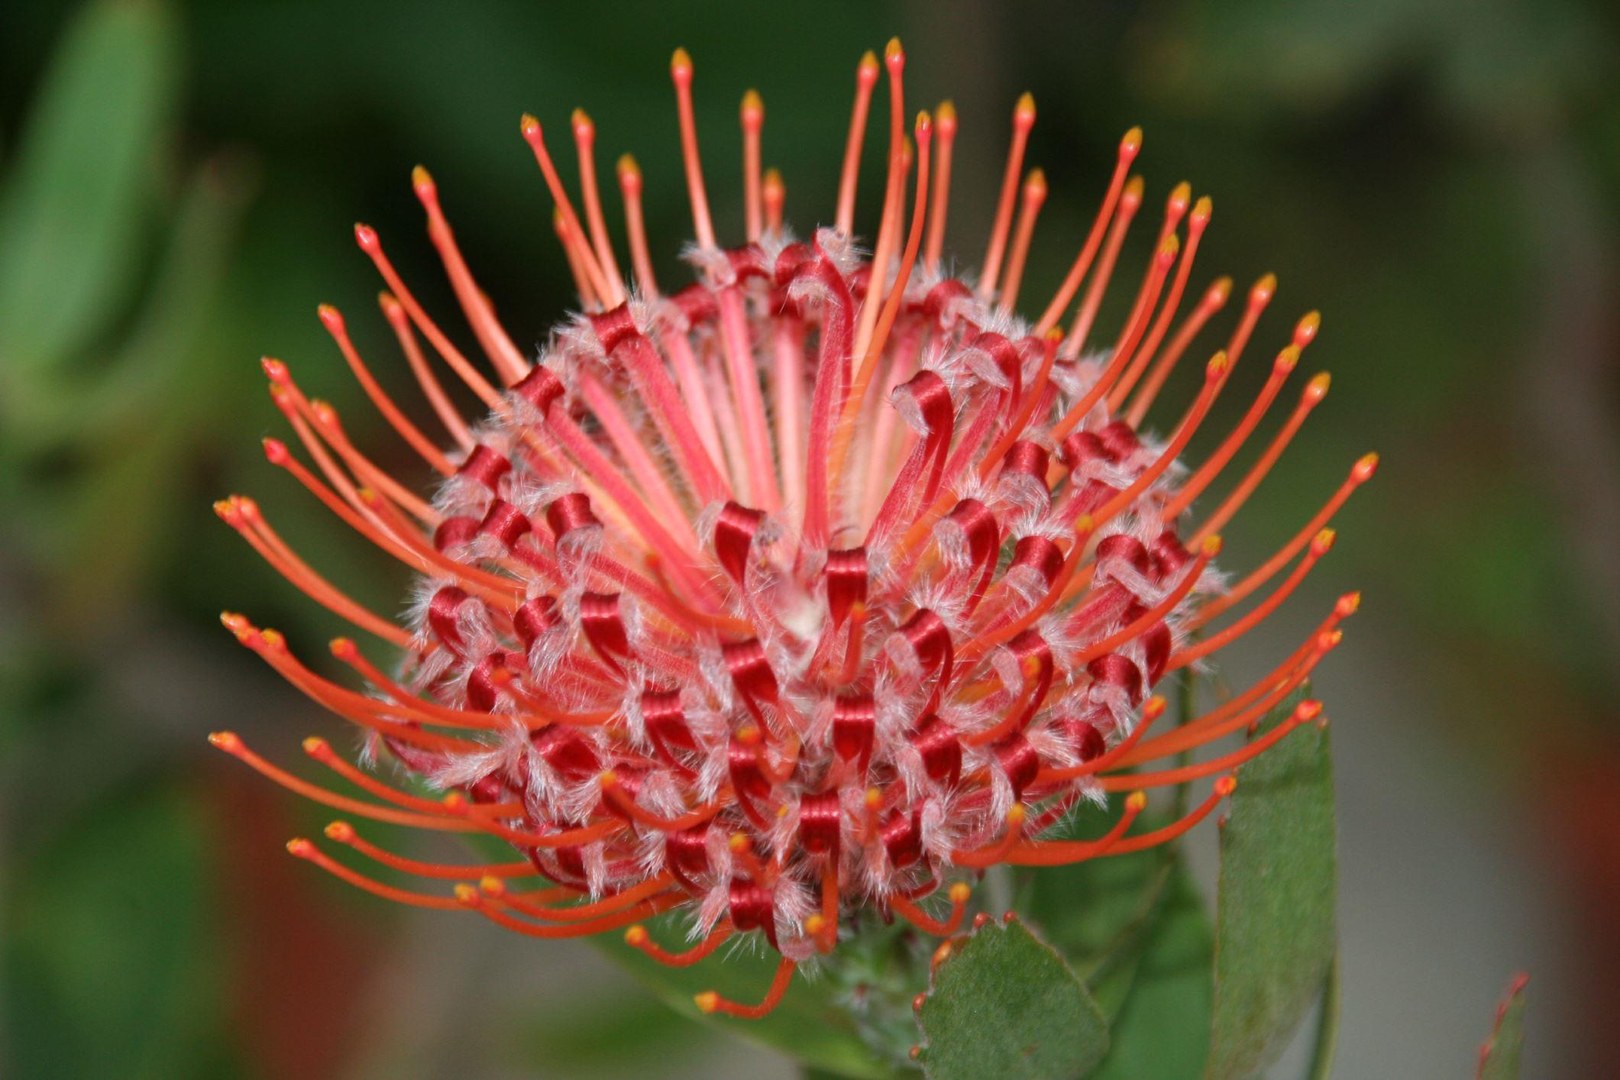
[{"x": 822, "y": 583}]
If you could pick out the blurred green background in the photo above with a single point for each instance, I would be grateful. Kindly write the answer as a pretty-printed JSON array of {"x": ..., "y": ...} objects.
[{"x": 177, "y": 185}]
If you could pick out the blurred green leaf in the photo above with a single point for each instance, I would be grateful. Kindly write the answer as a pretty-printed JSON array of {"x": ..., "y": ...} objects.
[
  {"x": 1499, "y": 1057},
  {"x": 1005, "y": 1004},
  {"x": 70, "y": 217},
  {"x": 109, "y": 944},
  {"x": 1162, "y": 1030},
  {"x": 1274, "y": 927},
  {"x": 637, "y": 1036}
]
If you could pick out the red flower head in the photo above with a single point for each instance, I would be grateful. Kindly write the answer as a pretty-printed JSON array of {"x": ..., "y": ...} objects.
[{"x": 822, "y": 583}]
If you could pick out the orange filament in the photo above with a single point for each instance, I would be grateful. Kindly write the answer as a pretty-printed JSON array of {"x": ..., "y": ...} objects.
[
  {"x": 1243, "y": 709},
  {"x": 1150, "y": 712},
  {"x": 1315, "y": 391},
  {"x": 919, "y": 918},
  {"x": 997, "y": 850},
  {"x": 367, "y": 238},
  {"x": 990, "y": 269},
  {"x": 242, "y": 514},
  {"x": 1281, "y": 368},
  {"x": 1319, "y": 547},
  {"x": 1129, "y": 632},
  {"x": 1016, "y": 714},
  {"x": 333, "y": 321},
  {"x": 535, "y": 136},
  {"x": 320, "y": 750},
  {"x": 1129, "y": 202},
  {"x": 1306, "y": 711},
  {"x": 307, "y": 851},
  {"x": 1120, "y": 357},
  {"x": 400, "y": 322},
  {"x": 891, "y": 307},
  {"x": 866, "y": 77},
  {"x": 894, "y": 60},
  {"x": 576, "y": 253},
  {"x": 343, "y": 833},
  {"x": 410, "y": 547},
  {"x": 638, "y": 938},
  {"x": 614, "y": 793},
  {"x": 470, "y": 897},
  {"x": 508, "y": 361},
  {"x": 1196, "y": 224},
  {"x": 853, "y": 651},
  {"x": 1213, "y": 300},
  {"x": 984, "y": 642},
  {"x": 774, "y": 195},
  {"x": 710, "y": 1002},
  {"x": 233, "y": 745},
  {"x": 324, "y": 419},
  {"x": 495, "y": 889},
  {"x": 431, "y": 711},
  {"x": 945, "y": 125},
  {"x": 1064, "y": 852},
  {"x": 590, "y": 198},
  {"x": 1223, "y": 787},
  {"x": 1260, "y": 295},
  {"x": 287, "y": 398},
  {"x": 680, "y": 72},
  {"x": 1360, "y": 473},
  {"x": 1129, "y": 146},
  {"x": 752, "y": 117},
  {"x": 271, "y": 647},
  {"x": 1029, "y": 209},
  {"x": 1214, "y": 378},
  {"x": 635, "y": 225},
  {"x": 567, "y": 838}
]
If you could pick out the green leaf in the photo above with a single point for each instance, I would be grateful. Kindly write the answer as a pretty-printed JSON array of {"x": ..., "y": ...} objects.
[
  {"x": 1004, "y": 1004},
  {"x": 1327, "y": 1027},
  {"x": 1499, "y": 1057},
  {"x": 1162, "y": 1030},
  {"x": 71, "y": 215},
  {"x": 1274, "y": 925}
]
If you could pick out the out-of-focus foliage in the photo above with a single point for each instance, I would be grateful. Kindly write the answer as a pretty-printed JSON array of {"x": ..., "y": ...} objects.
[
  {"x": 177, "y": 180},
  {"x": 1499, "y": 1057}
]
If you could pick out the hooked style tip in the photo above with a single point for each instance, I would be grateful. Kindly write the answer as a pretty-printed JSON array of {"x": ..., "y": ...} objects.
[
  {"x": 1306, "y": 329},
  {"x": 680, "y": 66},
  {"x": 1264, "y": 289},
  {"x": 1024, "y": 111}
]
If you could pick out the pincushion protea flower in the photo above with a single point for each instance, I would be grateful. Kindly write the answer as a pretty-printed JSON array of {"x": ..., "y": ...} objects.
[{"x": 821, "y": 584}]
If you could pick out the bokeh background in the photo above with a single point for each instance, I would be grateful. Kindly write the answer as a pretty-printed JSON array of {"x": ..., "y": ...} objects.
[{"x": 177, "y": 183}]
